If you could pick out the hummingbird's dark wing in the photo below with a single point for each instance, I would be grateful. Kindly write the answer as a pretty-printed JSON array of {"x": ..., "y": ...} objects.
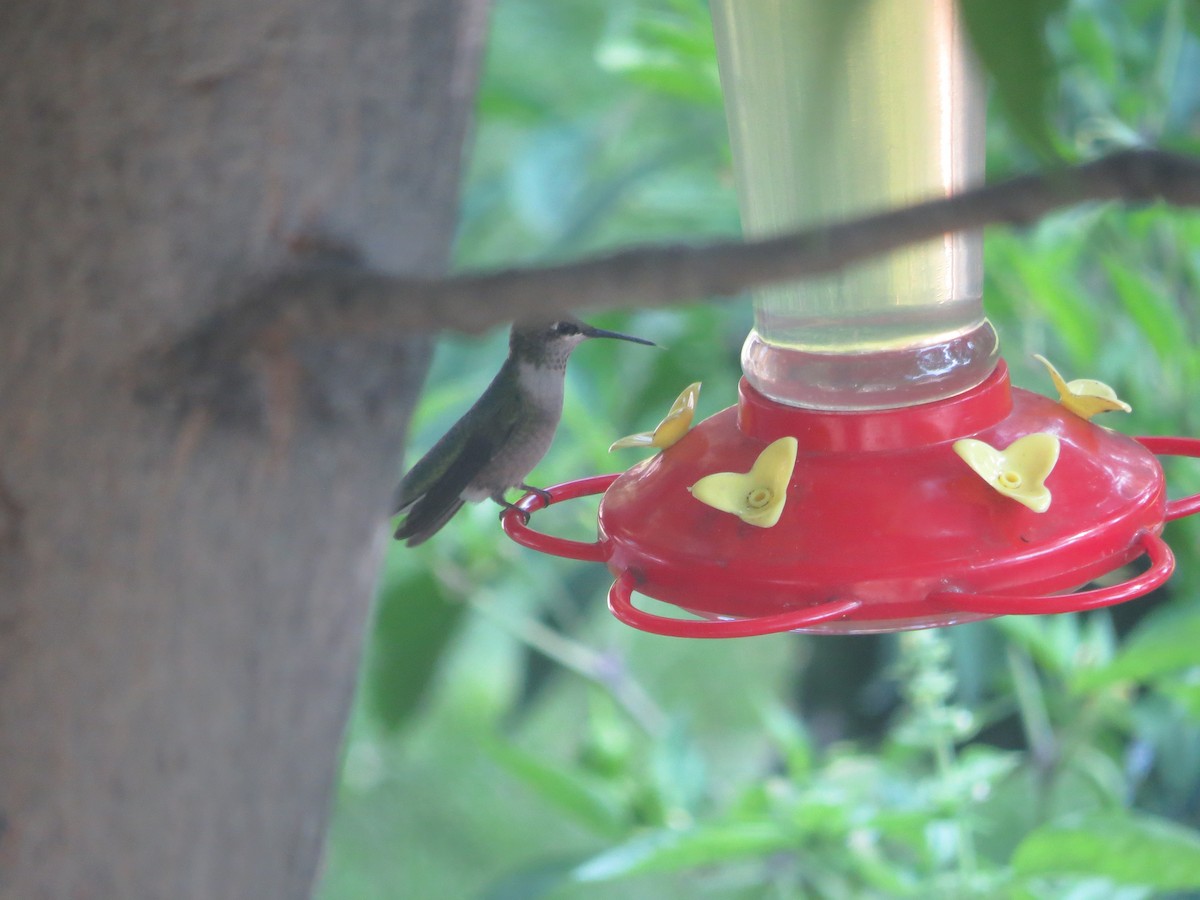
[
  {"x": 487, "y": 419},
  {"x": 460, "y": 456},
  {"x": 427, "y": 516}
]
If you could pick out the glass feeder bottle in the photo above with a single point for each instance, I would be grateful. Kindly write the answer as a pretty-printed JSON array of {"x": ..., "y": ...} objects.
[{"x": 838, "y": 109}]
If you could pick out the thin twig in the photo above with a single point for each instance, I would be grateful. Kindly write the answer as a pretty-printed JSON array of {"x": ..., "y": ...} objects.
[
  {"x": 603, "y": 669},
  {"x": 599, "y": 668}
]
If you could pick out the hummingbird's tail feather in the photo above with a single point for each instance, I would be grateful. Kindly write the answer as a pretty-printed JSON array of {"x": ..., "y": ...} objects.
[
  {"x": 432, "y": 508},
  {"x": 425, "y": 520}
]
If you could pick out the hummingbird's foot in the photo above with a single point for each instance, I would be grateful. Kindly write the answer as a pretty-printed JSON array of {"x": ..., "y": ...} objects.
[
  {"x": 506, "y": 506},
  {"x": 545, "y": 495}
]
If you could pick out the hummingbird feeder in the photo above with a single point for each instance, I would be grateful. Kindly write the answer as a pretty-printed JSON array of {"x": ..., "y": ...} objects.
[{"x": 879, "y": 472}]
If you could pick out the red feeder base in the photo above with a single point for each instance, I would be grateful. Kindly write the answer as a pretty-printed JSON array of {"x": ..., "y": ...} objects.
[{"x": 885, "y": 528}]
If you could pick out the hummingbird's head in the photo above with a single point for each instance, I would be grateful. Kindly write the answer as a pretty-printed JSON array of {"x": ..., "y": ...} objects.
[{"x": 547, "y": 344}]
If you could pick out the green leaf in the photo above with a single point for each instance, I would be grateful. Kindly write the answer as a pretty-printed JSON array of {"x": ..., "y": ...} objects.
[
  {"x": 1010, "y": 39},
  {"x": 678, "y": 769},
  {"x": 583, "y": 798},
  {"x": 1052, "y": 641},
  {"x": 1043, "y": 275},
  {"x": 1125, "y": 849},
  {"x": 1156, "y": 316},
  {"x": 1165, "y": 646},
  {"x": 413, "y": 623},
  {"x": 531, "y": 882},
  {"x": 670, "y": 851},
  {"x": 1186, "y": 694},
  {"x": 789, "y": 736}
]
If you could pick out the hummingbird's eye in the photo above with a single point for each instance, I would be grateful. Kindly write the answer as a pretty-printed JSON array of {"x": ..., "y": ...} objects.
[{"x": 566, "y": 328}]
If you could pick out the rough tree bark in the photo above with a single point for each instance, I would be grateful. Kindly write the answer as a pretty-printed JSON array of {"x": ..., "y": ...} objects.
[{"x": 182, "y": 590}]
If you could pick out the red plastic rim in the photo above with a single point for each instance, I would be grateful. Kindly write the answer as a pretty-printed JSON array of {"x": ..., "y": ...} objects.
[
  {"x": 1162, "y": 564},
  {"x": 835, "y": 615},
  {"x": 1175, "y": 446},
  {"x": 621, "y": 603}
]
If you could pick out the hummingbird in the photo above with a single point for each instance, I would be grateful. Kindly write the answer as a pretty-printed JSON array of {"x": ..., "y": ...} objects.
[{"x": 503, "y": 436}]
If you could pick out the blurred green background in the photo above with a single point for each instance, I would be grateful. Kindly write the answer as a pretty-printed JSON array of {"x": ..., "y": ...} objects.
[{"x": 511, "y": 740}]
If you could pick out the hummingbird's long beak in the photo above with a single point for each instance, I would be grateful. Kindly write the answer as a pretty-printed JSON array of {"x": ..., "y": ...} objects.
[{"x": 603, "y": 333}]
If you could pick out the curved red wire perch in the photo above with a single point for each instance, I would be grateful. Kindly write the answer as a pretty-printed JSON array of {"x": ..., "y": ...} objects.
[{"x": 847, "y": 610}]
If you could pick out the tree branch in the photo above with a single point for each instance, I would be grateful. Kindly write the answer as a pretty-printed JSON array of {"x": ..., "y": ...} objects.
[
  {"x": 660, "y": 275},
  {"x": 328, "y": 301}
]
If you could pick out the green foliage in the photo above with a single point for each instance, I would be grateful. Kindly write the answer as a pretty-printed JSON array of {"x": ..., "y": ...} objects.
[
  {"x": 404, "y": 650},
  {"x": 512, "y": 740},
  {"x": 1010, "y": 40},
  {"x": 1125, "y": 849}
]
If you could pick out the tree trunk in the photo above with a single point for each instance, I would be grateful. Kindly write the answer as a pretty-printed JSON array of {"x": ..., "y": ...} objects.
[{"x": 182, "y": 592}]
